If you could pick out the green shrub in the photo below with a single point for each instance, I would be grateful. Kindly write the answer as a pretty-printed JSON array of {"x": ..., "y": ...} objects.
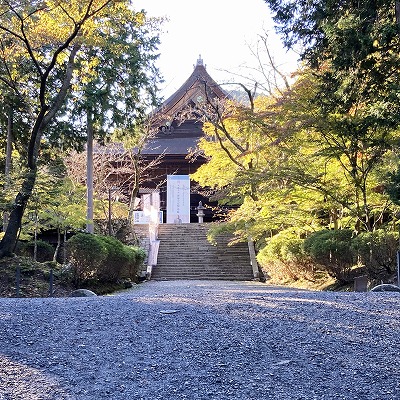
[
  {"x": 122, "y": 261},
  {"x": 45, "y": 250},
  {"x": 103, "y": 258},
  {"x": 116, "y": 258},
  {"x": 136, "y": 258},
  {"x": 333, "y": 251},
  {"x": 86, "y": 253},
  {"x": 377, "y": 252},
  {"x": 283, "y": 258}
]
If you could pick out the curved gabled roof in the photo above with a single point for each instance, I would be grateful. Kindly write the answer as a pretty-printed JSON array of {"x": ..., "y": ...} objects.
[{"x": 197, "y": 88}]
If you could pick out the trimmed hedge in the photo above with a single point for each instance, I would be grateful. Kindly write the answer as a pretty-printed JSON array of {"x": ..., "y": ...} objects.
[
  {"x": 333, "y": 250},
  {"x": 283, "y": 257},
  {"x": 338, "y": 252},
  {"x": 377, "y": 252},
  {"x": 102, "y": 258}
]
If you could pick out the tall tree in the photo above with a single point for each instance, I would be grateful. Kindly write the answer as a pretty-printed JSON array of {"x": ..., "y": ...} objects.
[
  {"x": 117, "y": 82},
  {"x": 45, "y": 38},
  {"x": 352, "y": 49}
]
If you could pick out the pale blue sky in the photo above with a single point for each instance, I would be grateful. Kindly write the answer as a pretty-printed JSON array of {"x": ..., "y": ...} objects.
[{"x": 220, "y": 30}]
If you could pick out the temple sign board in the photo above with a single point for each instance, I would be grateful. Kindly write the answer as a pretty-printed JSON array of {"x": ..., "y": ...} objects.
[
  {"x": 140, "y": 217},
  {"x": 178, "y": 199}
]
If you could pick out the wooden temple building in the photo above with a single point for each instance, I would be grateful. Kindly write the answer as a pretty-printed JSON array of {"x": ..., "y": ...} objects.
[{"x": 177, "y": 128}]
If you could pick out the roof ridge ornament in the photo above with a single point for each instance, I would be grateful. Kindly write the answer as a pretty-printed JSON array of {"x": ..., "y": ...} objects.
[{"x": 199, "y": 60}]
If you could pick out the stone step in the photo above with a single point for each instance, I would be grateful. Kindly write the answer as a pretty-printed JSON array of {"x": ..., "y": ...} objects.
[
  {"x": 163, "y": 269},
  {"x": 199, "y": 267},
  {"x": 186, "y": 253},
  {"x": 203, "y": 277}
]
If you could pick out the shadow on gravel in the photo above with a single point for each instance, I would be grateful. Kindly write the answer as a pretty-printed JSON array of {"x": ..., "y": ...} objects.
[
  {"x": 20, "y": 381},
  {"x": 202, "y": 340}
]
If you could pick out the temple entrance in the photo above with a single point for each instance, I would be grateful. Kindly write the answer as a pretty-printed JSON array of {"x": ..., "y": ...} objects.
[{"x": 177, "y": 127}]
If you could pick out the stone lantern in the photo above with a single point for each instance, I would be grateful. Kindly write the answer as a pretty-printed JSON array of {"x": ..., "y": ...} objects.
[{"x": 200, "y": 212}]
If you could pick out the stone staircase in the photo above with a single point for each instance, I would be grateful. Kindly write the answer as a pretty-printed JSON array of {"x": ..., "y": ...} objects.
[{"x": 185, "y": 253}]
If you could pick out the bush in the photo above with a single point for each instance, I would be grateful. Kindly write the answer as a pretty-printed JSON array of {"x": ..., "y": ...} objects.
[
  {"x": 85, "y": 253},
  {"x": 138, "y": 256},
  {"x": 121, "y": 262},
  {"x": 377, "y": 252},
  {"x": 45, "y": 251},
  {"x": 283, "y": 258},
  {"x": 333, "y": 251},
  {"x": 103, "y": 258},
  {"x": 115, "y": 261}
]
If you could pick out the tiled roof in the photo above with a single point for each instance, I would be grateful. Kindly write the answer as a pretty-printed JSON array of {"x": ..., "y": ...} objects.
[
  {"x": 199, "y": 85},
  {"x": 170, "y": 146}
]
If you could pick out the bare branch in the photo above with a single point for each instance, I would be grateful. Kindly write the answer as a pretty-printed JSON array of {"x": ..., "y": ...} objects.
[{"x": 226, "y": 150}]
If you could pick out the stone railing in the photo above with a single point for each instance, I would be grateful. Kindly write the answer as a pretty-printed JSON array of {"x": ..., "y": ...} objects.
[{"x": 153, "y": 234}]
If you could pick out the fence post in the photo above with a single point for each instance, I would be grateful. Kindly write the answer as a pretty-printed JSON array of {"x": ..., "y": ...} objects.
[
  {"x": 398, "y": 268},
  {"x": 17, "y": 280},
  {"x": 51, "y": 282}
]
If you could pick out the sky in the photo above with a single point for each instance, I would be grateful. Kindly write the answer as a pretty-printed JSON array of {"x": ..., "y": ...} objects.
[{"x": 223, "y": 32}]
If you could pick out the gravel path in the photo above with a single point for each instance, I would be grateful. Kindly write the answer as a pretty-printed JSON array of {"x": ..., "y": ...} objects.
[{"x": 202, "y": 340}]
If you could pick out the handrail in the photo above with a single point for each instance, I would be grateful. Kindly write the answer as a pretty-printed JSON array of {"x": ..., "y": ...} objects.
[
  {"x": 253, "y": 258},
  {"x": 153, "y": 239}
]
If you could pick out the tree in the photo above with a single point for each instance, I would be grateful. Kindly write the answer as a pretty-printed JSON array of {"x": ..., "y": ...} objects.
[
  {"x": 117, "y": 82},
  {"x": 352, "y": 49},
  {"x": 352, "y": 46},
  {"x": 355, "y": 142},
  {"x": 307, "y": 171},
  {"x": 119, "y": 168},
  {"x": 56, "y": 202},
  {"x": 45, "y": 38},
  {"x": 66, "y": 211}
]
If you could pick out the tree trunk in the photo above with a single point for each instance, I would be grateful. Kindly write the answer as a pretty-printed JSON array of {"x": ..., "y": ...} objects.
[
  {"x": 334, "y": 219},
  {"x": 9, "y": 241},
  {"x": 35, "y": 238},
  {"x": 58, "y": 245},
  {"x": 89, "y": 174},
  {"x": 7, "y": 171},
  {"x": 135, "y": 191},
  {"x": 65, "y": 247}
]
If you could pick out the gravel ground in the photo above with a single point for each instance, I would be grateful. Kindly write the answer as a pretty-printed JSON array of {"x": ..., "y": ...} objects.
[{"x": 202, "y": 340}]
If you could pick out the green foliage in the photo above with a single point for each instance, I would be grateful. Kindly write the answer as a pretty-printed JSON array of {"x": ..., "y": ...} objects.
[
  {"x": 393, "y": 186},
  {"x": 333, "y": 250},
  {"x": 86, "y": 253},
  {"x": 353, "y": 102},
  {"x": 56, "y": 56},
  {"x": 283, "y": 257},
  {"x": 136, "y": 256},
  {"x": 339, "y": 251},
  {"x": 102, "y": 258},
  {"x": 121, "y": 260},
  {"x": 139, "y": 253},
  {"x": 45, "y": 250},
  {"x": 315, "y": 157},
  {"x": 116, "y": 258},
  {"x": 349, "y": 33},
  {"x": 116, "y": 77},
  {"x": 56, "y": 203},
  {"x": 377, "y": 251}
]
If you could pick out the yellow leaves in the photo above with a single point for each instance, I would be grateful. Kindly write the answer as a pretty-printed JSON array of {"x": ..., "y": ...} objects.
[
  {"x": 53, "y": 23},
  {"x": 140, "y": 18},
  {"x": 219, "y": 171},
  {"x": 87, "y": 70},
  {"x": 262, "y": 103},
  {"x": 48, "y": 27}
]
